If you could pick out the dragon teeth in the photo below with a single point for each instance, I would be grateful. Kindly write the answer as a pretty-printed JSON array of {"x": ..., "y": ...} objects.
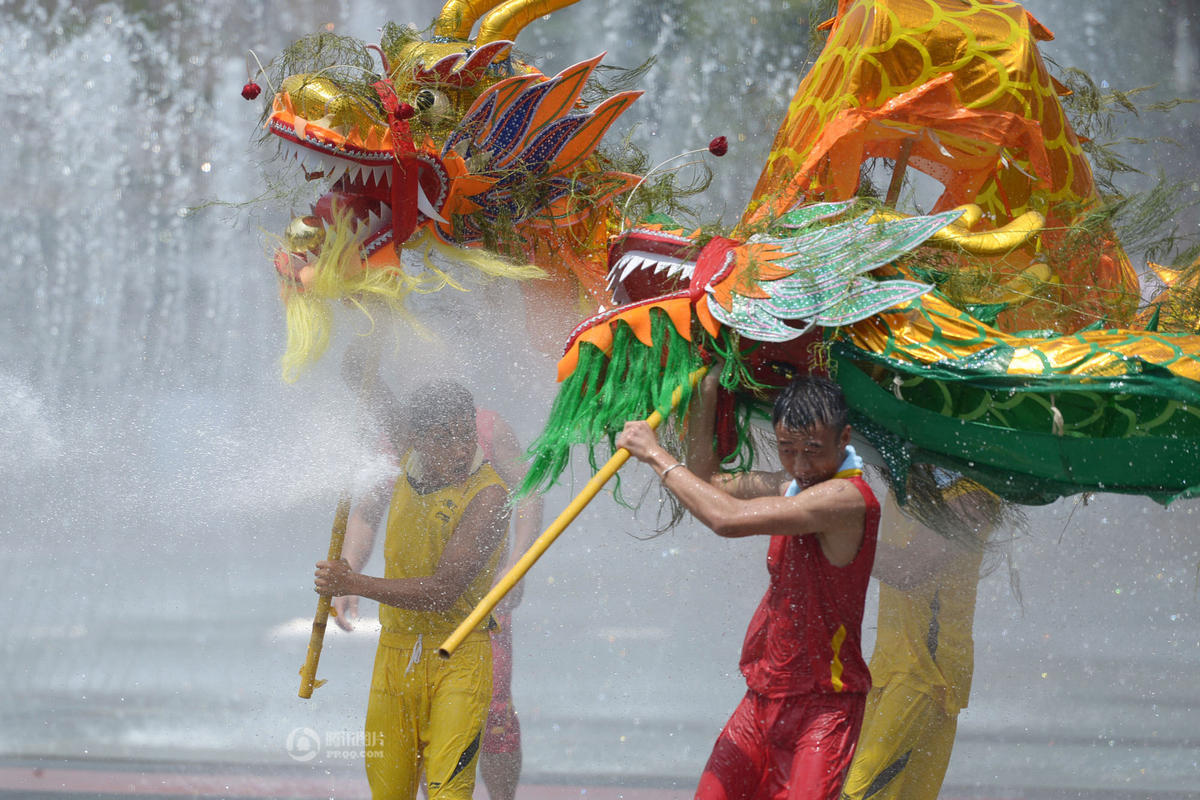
[
  {"x": 289, "y": 149},
  {"x": 337, "y": 171},
  {"x": 426, "y": 207},
  {"x": 377, "y": 174},
  {"x": 314, "y": 162},
  {"x": 633, "y": 263},
  {"x": 619, "y": 270}
]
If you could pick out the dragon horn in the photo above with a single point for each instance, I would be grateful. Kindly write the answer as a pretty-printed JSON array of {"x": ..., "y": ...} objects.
[
  {"x": 458, "y": 17},
  {"x": 506, "y": 21}
]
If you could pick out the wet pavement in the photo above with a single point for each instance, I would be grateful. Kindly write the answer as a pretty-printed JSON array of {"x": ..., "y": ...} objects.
[{"x": 179, "y": 677}]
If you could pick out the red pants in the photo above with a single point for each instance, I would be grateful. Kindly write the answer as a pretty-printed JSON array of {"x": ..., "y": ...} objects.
[{"x": 784, "y": 748}]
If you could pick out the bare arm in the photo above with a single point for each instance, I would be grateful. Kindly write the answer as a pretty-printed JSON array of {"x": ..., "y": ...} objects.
[
  {"x": 481, "y": 529},
  {"x": 386, "y": 408},
  {"x": 906, "y": 568},
  {"x": 701, "y": 457},
  {"x": 509, "y": 461},
  {"x": 376, "y": 396},
  {"x": 927, "y": 554},
  {"x": 699, "y": 452},
  {"x": 379, "y": 400},
  {"x": 833, "y": 510},
  {"x": 364, "y": 521}
]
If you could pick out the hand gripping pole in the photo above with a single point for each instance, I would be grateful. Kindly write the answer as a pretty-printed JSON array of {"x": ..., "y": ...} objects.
[{"x": 308, "y": 673}]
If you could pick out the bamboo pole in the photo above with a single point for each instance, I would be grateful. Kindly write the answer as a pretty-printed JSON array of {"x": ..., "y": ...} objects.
[
  {"x": 337, "y": 537},
  {"x": 308, "y": 673},
  {"x": 560, "y": 523}
]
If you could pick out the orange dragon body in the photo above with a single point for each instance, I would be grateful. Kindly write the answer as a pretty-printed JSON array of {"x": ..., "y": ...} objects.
[{"x": 925, "y": 320}]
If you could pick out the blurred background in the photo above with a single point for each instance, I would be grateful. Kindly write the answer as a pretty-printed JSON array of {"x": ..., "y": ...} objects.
[{"x": 164, "y": 495}]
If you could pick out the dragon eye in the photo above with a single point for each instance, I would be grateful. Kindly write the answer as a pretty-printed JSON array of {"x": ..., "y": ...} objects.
[{"x": 432, "y": 105}]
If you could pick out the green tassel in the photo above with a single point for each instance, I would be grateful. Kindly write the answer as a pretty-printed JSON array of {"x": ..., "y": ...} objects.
[{"x": 606, "y": 391}]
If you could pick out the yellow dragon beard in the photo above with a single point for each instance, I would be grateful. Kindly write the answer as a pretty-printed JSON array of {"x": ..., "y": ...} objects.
[{"x": 341, "y": 272}]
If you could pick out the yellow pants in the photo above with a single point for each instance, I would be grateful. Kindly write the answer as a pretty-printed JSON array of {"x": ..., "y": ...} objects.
[
  {"x": 904, "y": 748},
  {"x": 427, "y": 714}
]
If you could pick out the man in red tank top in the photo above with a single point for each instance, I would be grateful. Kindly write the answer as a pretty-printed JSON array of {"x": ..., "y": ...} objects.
[{"x": 793, "y": 734}]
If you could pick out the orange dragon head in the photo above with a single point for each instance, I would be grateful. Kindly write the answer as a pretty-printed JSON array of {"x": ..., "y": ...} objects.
[{"x": 450, "y": 147}]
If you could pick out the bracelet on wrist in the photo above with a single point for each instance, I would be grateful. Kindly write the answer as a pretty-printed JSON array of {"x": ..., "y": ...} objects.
[{"x": 663, "y": 478}]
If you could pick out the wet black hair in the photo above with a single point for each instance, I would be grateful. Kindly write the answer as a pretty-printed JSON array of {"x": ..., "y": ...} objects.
[
  {"x": 809, "y": 400},
  {"x": 439, "y": 405}
]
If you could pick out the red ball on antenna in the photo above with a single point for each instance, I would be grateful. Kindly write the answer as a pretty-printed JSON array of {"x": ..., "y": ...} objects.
[
  {"x": 719, "y": 146},
  {"x": 251, "y": 90}
]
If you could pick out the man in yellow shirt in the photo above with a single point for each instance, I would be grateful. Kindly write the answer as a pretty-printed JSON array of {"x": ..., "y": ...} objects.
[
  {"x": 500, "y": 752},
  {"x": 923, "y": 660},
  {"x": 447, "y": 522}
]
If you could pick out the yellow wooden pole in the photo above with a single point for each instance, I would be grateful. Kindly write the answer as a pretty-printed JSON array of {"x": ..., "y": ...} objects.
[
  {"x": 337, "y": 537},
  {"x": 560, "y": 523},
  {"x": 308, "y": 673}
]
